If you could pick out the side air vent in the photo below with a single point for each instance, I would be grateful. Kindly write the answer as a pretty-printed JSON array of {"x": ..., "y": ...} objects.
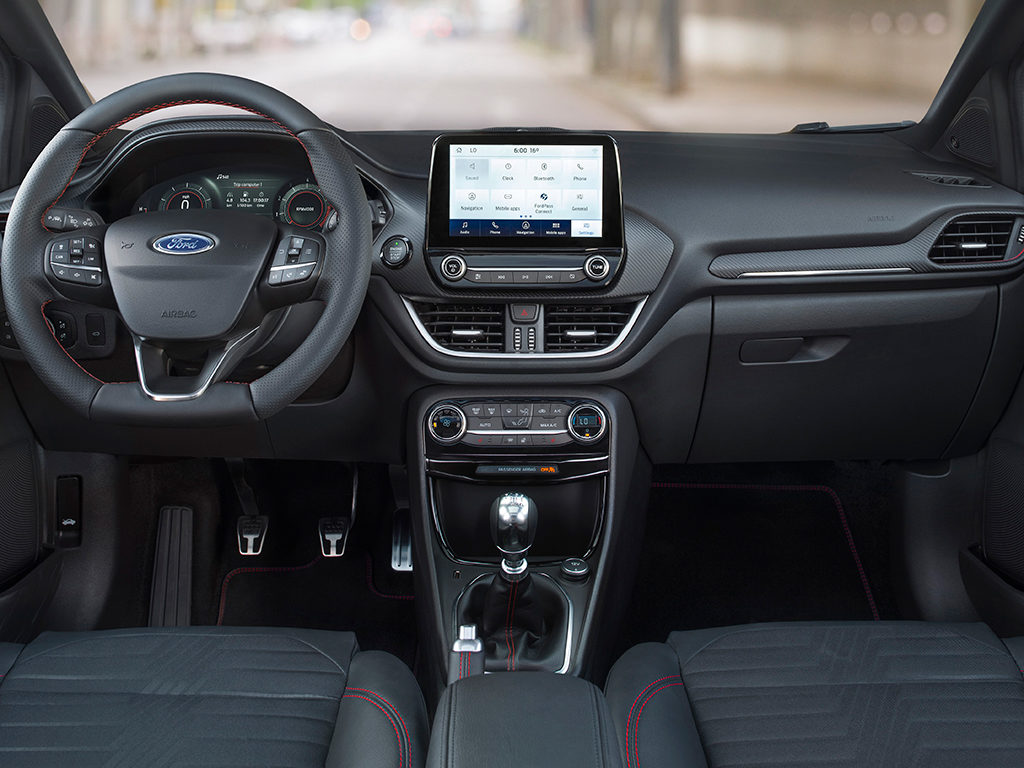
[
  {"x": 974, "y": 240},
  {"x": 584, "y": 327},
  {"x": 465, "y": 327},
  {"x": 950, "y": 181}
]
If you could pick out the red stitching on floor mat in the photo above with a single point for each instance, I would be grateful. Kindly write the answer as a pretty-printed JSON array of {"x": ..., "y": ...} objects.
[
  {"x": 256, "y": 569},
  {"x": 373, "y": 588},
  {"x": 797, "y": 489}
]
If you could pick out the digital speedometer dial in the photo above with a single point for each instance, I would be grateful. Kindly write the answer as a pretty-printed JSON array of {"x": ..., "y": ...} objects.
[
  {"x": 187, "y": 196},
  {"x": 303, "y": 205}
]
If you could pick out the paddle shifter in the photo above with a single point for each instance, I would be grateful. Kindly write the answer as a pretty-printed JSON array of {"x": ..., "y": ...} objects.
[{"x": 513, "y": 528}]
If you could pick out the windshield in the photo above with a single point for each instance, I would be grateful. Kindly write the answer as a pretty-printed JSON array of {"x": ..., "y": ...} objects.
[{"x": 674, "y": 65}]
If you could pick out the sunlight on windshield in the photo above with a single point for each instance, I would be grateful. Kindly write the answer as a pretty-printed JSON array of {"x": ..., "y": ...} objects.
[{"x": 679, "y": 65}]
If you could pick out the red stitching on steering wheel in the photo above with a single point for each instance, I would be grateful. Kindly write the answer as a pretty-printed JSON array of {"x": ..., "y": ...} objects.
[{"x": 154, "y": 108}]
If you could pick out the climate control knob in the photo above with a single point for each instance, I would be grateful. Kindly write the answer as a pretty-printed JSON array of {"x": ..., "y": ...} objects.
[
  {"x": 446, "y": 424},
  {"x": 587, "y": 423}
]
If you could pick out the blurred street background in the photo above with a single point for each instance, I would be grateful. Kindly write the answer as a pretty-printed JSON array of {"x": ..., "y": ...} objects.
[{"x": 681, "y": 65}]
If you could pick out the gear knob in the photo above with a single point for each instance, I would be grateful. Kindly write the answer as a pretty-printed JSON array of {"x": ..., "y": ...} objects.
[{"x": 513, "y": 528}]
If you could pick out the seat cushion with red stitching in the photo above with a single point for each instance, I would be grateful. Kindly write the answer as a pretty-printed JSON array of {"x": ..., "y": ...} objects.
[
  {"x": 208, "y": 696},
  {"x": 838, "y": 694}
]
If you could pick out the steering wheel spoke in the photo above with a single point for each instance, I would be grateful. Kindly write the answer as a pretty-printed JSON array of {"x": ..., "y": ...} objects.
[
  {"x": 294, "y": 269},
  {"x": 74, "y": 265},
  {"x": 154, "y": 363}
]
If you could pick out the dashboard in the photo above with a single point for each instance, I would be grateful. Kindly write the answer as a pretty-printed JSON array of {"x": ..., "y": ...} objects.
[{"x": 793, "y": 297}]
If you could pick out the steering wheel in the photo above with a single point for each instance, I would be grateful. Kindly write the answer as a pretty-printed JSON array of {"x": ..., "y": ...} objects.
[{"x": 202, "y": 283}]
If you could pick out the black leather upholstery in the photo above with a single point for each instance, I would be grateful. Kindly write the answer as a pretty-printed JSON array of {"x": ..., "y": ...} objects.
[
  {"x": 520, "y": 720},
  {"x": 209, "y": 697},
  {"x": 854, "y": 694}
]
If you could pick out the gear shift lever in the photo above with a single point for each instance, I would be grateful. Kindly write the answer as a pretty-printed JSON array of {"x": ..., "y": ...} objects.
[{"x": 513, "y": 528}]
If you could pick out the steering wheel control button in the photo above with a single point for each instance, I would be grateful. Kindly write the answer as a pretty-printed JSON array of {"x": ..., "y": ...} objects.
[
  {"x": 574, "y": 569},
  {"x": 60, "y": 252},
  {"x": 64, "y": 328},
  {"x": 6, "y": 333},
  {"x": 587, "y": 423},
  {"x": 596, "y": 267},
  {"x": 447, "y": 424},
  {"x": 453, "y": 267},
  {"x": 396, "y": 252}
]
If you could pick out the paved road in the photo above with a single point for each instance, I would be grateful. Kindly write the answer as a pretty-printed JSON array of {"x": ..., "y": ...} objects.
[{"x": 395, "y": 82}]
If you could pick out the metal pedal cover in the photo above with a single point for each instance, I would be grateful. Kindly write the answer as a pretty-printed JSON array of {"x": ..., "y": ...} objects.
[
  {"x": 252, "y": 530},
  {"x": 334, "y": 535},
  {"x": 401, "y": 542}
]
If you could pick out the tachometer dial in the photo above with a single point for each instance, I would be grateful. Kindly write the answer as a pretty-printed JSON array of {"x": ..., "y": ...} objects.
[
  {"x": 187, "y": 196},
  {"x": 303, "y": 205}
]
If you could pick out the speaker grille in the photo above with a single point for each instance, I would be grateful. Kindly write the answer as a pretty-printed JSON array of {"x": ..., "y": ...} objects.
[
  {"x": 44, "y": 123},
  {"x": 971, "y": 137}
]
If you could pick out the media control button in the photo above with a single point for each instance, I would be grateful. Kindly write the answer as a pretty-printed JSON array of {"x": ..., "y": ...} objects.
[
  {"x": 596, "y": 267},
  {"x": 453, "y": 267}
]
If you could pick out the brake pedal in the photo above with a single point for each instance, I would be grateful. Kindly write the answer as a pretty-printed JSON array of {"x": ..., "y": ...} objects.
[
  {"x": 252, "y": 530},
  {"x": 334, "y": 535}
]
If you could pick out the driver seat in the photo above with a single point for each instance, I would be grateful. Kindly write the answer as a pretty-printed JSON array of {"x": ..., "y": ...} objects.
[{"x": 207, "y": 696}]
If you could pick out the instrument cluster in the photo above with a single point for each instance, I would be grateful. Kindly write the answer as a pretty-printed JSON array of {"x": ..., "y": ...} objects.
[{"x": 264, "y": 191}]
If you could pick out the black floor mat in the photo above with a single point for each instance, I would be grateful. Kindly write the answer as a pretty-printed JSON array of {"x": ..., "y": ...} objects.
[
  {"x": 717, "y": 554},
  {"x": 324, "y": 593},
  {"x": 290, "y": 584}
]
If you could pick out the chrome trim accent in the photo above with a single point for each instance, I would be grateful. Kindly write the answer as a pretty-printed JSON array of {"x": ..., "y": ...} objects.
[
  {"x": 462, "y": 267},
  {"x": 517, "y": 431},
  {"x": 526, "y": 269},
  {"x": 819, "y": 272},
  {"x": 430, "y": 418},
  {"x": 283, "y": 267},
  {"x": 567, "y": 659},
  {"x": 620, "y": 339},
  {"x": 76, "y": 266},
  {"x": 204, "y": 385}
]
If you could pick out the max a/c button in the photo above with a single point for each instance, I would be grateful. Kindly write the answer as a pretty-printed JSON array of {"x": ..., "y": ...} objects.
[{"x": 524, "y": 313}]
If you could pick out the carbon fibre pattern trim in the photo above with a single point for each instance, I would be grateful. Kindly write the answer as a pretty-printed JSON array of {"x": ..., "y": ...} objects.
[{"x": 911, "y": 255}]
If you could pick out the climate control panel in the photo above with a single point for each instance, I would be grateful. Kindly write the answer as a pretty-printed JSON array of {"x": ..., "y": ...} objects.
[{"x": 516, "y": 423}]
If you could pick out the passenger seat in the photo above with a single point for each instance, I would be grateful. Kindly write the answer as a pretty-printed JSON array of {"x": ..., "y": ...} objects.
[
  {"x": 207, "y": 696},
  {"x": 872, "y": 694}
]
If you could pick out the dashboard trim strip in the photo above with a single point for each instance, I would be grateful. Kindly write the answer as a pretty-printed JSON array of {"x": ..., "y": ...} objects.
[
  {"x": 425, "y": 335},
  {"x": 822, "y": 272}
]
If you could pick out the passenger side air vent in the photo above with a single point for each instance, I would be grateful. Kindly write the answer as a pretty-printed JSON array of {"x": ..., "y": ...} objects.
[
  {"x": 947, "y": 180},
  {"x": 465, "y": 327},
  {"x": 974, "y": 240},
  {"x": 584, "y": 327}
]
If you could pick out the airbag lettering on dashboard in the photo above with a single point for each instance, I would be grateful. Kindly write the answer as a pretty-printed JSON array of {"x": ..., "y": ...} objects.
[{"x": 517, "y": 469}]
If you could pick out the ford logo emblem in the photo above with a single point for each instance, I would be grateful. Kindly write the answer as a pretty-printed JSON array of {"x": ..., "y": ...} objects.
[{"x": 185, "y": 243}]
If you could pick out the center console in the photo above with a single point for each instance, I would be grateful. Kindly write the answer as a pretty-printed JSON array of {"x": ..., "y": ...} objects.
[{"x": 528, "y": 508}]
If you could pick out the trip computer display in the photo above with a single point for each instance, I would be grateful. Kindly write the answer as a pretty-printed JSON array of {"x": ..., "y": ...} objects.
[{"x": 529, "y": 191}]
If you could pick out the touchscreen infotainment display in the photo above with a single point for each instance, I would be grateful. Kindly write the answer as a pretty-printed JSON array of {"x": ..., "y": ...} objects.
[{"x": 525, "y": 190}]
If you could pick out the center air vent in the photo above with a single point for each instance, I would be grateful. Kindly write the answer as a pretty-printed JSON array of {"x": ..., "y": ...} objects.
[
  {"x": 975, "y": 239},
  {"x": 583, "y": 327},
  {"x": 465, "y": 327}
]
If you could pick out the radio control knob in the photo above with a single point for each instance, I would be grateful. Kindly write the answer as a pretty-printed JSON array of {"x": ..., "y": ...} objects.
[
  {"x": 446, "y": 424},
  {"x": 596, "y": 267},
  {"x": 453, "y": 267},
  {"x": 587, "y": 423}
]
